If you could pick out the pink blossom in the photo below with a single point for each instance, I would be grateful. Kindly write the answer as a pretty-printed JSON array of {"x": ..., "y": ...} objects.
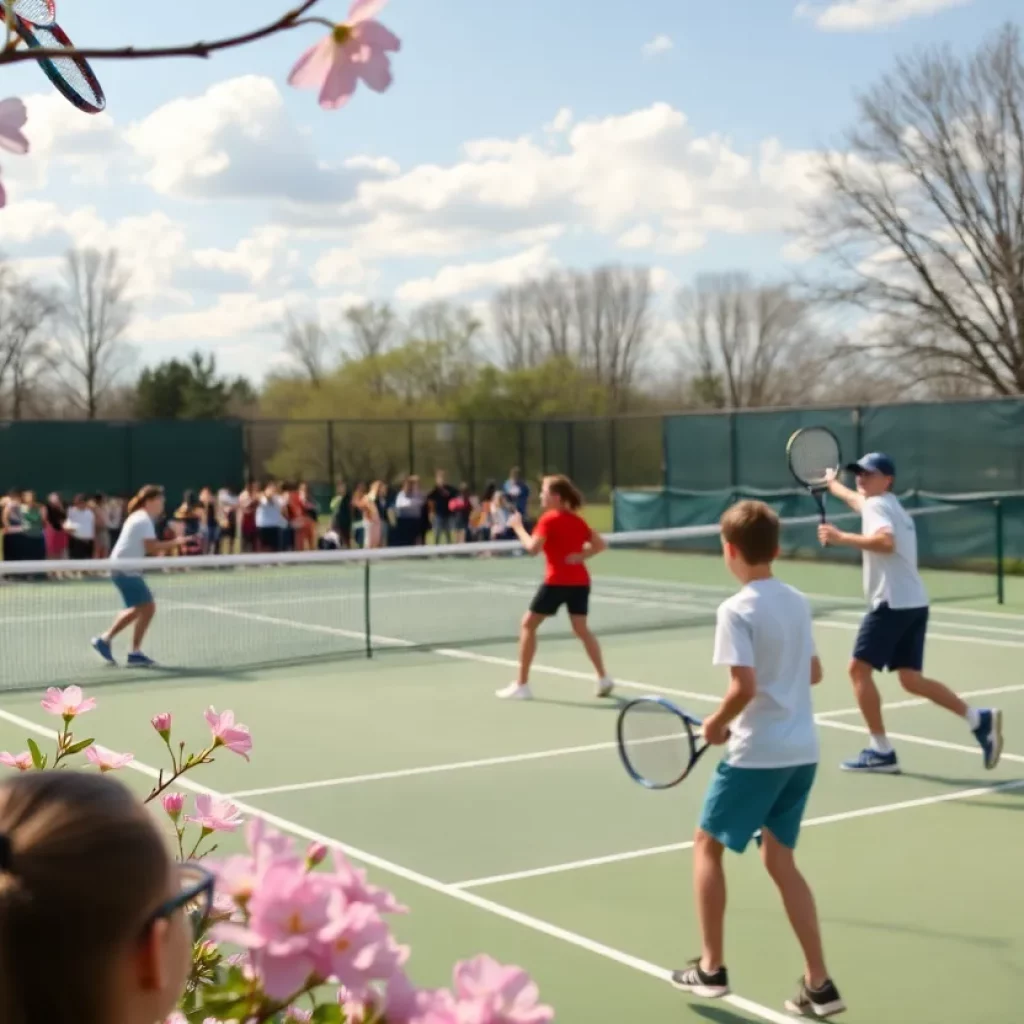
[
  {"x": 162, "y": 724},
  {"x": 12, "y": 119},
  {"x": 353, "y": 884},
  {"x": 490, "y": 993},
  {"x": 357, "y": 49},
  {"x": 237, "y": 878},
  {"x": 106, "y": 760},
  {"x": 406, "y": 1004},
  {"x": 22, "y": 761},
  {"x": 227, "y": 734},
  {"x": 173, "y": 805},
  {"x": 358, "y": 946},
  {"x": 67, "y": 703},
  {"x": 287, "y": 913},
  {"x": 215, "y": 815},
  {"x": 315, "y": 854}
]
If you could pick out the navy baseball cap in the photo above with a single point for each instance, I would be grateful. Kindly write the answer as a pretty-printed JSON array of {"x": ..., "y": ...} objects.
[{"x": 874, "y": 462}]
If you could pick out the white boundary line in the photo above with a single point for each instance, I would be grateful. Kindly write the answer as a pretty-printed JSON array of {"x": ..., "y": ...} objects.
[
  {"x": 653, "y": 851},
  {"x": 535, "y": 924},
  {"x": 539, "y": 755}
]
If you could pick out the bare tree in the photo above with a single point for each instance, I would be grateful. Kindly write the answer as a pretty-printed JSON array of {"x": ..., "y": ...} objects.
[
  {"x": 27, "y": 317},
  {"x": 611, "y": 315},
  {"x": 923, "y": 215},
  {"x": 309, "y": 345},
  {"x": 93, "y": 313},
  {"x": 456, "y": 326},
  {"x": 745, "y": 345},
  {"x": 371, "y": 329},
  {"x": 533, "y": 321}
]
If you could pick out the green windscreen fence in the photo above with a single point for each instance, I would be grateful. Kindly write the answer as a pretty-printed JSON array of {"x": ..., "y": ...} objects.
[
  {"x": 118, "y": 458},
  {"x": 954, "y": 448},
  {"x": 967, "y": 535}
]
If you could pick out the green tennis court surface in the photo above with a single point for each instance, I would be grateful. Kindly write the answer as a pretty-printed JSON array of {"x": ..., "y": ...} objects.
[{"x": 512, "y": 829}]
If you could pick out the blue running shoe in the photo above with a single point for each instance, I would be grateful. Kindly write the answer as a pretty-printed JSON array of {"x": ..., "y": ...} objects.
[
  {"x": 989, "y": 735},
  {"x": 869, "y": 760},
  {"x": 138, "y": 660},
  {"x": 102, "y": 648}
]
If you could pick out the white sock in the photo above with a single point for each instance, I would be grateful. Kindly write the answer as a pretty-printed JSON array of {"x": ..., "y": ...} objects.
[
  {"x": 880, "y": 744},
  {"x": 973, "y": 717}
]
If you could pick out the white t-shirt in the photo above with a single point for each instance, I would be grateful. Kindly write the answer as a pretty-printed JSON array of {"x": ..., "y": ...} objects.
[
  {"x": 892, "y": 579},
  {"x": 766, "y": 626},
  {"x": 269, "y": 514},
  {"x": 131, "y": 543},
  {"x": 83, "y": 521}
]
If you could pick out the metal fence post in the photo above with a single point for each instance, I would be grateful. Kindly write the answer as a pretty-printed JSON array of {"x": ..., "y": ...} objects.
[{"x": 1000, "y": 574}]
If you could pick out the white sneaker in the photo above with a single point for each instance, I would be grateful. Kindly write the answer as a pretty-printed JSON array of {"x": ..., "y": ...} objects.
[
  {"x": 515, "y": 692},
  {"x": 605, "y": 687}
]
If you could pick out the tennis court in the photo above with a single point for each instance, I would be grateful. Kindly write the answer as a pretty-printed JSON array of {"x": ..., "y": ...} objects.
[{"x": 512, "y": 829}]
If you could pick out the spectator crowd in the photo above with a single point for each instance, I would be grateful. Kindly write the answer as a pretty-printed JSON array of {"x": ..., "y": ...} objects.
[{"x": 270, "y": 517}]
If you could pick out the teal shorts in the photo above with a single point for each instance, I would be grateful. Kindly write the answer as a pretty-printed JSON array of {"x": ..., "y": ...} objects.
[
  {"x": 133, "y": 589},
  {"x": 742, "y": 801}
]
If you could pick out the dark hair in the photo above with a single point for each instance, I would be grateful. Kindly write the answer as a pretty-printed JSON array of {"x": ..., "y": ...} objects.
[
  {"x": 144, "y": 496},
  {"x": 84, "y": 868},
  {"x": 753, "y": 529},
  {"x": 566, "y": 490}
]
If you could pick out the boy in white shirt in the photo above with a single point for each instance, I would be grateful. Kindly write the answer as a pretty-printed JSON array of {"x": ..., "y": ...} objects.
[
  {"x": 892, "y": 633},
  {"x": 761, "y": 786}
]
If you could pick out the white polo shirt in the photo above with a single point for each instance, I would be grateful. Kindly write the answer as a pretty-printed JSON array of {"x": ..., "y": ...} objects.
[
  {"x": 892, "y": 579},
  {"x": 767, "y": 626}
]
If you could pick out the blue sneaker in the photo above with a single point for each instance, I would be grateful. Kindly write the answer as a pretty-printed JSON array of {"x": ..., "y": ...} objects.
[
  {"x": 138, "y": 660},
  {"x": 869, "y": 760},
  {"x": 102, "y": 648},
  {"x": 989, "y": 735}
]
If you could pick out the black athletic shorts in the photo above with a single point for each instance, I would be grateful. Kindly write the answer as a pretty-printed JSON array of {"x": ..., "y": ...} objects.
[{"x": 550, "y": 598}]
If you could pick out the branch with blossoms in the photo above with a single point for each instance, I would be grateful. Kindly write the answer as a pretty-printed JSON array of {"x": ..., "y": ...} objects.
[
  {"x": 310, "y": 935},
  {"x": 352, "y": 51}
]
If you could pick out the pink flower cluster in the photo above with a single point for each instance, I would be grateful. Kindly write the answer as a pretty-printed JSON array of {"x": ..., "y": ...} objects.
[{"x": 303, "y": 927}]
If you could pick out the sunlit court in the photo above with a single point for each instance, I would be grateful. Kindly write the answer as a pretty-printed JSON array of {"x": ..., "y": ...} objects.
[{"x": 513, "y": 827}]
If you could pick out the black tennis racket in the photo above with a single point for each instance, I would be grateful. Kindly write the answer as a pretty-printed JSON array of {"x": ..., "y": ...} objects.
[
  {"x": 812, "y": 452},
  {"x": 659, "y": 743}
]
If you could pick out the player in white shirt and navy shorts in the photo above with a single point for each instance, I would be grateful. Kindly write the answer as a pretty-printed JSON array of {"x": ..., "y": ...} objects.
[
  {"x": 893, "y": 632},
  {"x": 760, "y": 788}
]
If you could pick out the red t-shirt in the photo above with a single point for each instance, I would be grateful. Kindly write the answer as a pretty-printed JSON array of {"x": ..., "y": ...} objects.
[{"x": 564, "y": 533}]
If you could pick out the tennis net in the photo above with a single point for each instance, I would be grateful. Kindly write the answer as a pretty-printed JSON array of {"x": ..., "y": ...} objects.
[{"x": 218, "y": 614}]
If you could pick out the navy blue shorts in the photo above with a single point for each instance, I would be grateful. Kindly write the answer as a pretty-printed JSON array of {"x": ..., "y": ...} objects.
[{"x": 892, "y": 638}]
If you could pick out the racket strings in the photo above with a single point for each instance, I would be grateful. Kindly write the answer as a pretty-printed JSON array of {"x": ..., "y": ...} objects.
[
  {"x": 657, "y": 743},
  {"x": 812, "y": 454}
]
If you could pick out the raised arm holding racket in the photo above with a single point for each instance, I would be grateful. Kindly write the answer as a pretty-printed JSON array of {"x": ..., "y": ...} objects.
[
  {"x": 760, "y": 788},
  {"x": 814, "y": 458}
]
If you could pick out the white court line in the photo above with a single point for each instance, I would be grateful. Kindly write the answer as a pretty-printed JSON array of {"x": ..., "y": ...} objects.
[
  {"x": 536, "y": 924},
  {"x": 985, "y": 641},
  {"x": 453, "y": 766},
  {"x": 917, "y": 702},
  {"x": 654, "y": 851},
  {"x": 554, "y": 752}
]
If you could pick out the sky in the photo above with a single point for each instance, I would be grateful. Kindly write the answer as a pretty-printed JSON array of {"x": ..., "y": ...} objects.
[{"x": 516, "y": 138}]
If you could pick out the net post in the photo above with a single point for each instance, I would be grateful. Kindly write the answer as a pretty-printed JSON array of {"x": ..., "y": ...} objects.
[
  {"x": 366, "y": 608},
  {"x": 1000, "y": 575}
]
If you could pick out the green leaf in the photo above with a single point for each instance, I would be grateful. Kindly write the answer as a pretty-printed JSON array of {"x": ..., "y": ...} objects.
[
  {"x": 328, "y": 1013},
  {"x": 77, "y": 748},
  {"x": 37, "y": 755}
]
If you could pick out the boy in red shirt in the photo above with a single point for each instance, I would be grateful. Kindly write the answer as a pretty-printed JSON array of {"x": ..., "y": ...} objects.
[{"x": 567, "y": 542}]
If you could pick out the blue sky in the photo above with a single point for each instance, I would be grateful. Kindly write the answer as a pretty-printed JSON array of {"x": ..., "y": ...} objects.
[{"x": 517, "y": 137}]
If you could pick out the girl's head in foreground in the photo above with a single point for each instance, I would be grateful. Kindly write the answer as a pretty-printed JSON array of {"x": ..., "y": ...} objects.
[
  {"x": 559, "y": 492},
  {"x": 89, "y": 933},
  {"x": 750, "y": 539}
]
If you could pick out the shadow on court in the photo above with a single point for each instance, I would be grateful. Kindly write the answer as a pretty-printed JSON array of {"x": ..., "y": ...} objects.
[{"x": 717, "y": 1014}]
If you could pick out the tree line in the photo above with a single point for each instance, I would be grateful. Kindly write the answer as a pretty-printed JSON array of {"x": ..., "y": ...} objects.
[{"x": 915, "y": 289}]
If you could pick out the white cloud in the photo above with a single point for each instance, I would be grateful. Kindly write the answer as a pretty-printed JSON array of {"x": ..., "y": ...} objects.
[
  {"x": 233, "y": 314},
  {"x": 341, "y": 267},
  {"x": 640, "y": 237},
  {"x": 561, "y": 122},
  {"x": 237, "y": 140},
  {"x": 856, "y": 15},
  {"x": 609, "y": 174},
  {"x": 658, "y": 45},
  {"x": 255, "y": 257},
  {"x": 453, "y": 281}
]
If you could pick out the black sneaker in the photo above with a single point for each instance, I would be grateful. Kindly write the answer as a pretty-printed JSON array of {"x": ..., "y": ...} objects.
[
  {"x": 821, "y": 1002},
  {"x": 708, "y": 986}
]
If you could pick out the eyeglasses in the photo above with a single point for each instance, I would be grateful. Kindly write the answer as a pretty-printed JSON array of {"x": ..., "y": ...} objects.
[{"x": 194, "y": 896}]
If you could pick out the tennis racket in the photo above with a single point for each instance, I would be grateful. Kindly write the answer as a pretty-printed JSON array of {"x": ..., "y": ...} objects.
[
  {"x": 812, "y": 452},
  {"x": 71, "y": 76},
  {"x": 36, "y": 12},
  {"x": 659, "y": 743}
]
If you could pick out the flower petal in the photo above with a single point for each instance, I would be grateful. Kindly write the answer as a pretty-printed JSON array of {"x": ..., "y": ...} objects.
[
  {"x": 313, "y": 67},
  {"x": 374, "y": 34},
  {"x": 339, "y": 85},
  {"x": 363, "y": 10},
  {"x": 376, "y": 71}
]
